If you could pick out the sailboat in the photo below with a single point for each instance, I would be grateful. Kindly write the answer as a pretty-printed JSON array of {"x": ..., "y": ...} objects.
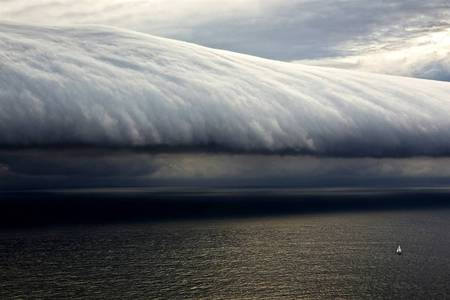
[{"x": 399, "y": 250}]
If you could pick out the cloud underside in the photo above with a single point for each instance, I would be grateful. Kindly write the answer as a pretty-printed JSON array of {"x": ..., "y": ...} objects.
[
  {"x": 104, "y": 87},
  {"x": 76, "y": 168}
]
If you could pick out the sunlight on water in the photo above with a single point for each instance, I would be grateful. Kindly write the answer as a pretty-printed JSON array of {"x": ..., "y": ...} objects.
[{"x": 299, "y": 257}]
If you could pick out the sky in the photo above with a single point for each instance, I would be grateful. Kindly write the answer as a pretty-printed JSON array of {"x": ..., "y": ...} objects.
[
  {"x": 91, "y": 96},
  {"x": 348, "y": 33}
]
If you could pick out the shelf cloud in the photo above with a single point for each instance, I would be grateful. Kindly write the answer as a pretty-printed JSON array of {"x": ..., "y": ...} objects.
[{"x": 104, "y": 87}]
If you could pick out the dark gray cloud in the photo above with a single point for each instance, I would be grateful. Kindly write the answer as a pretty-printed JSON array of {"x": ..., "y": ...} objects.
[
  {"x": 76, "y": 168},
  {"x": 76, "y": 162}
]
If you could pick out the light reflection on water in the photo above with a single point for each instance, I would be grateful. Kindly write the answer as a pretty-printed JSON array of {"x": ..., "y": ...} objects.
[{"x": 302, "y": 257}]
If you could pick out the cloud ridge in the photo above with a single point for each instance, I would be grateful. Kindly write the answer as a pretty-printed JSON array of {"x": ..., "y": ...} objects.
[{"x": 101, "y": 86}]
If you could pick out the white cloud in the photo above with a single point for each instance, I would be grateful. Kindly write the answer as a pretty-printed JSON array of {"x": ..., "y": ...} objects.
[
  {"x": 426, "y": 57},
  {"x": 100, "y": 86}
]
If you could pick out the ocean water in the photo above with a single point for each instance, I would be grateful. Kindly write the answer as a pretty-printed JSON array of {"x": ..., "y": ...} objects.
[{"x": 315, "y": 256}]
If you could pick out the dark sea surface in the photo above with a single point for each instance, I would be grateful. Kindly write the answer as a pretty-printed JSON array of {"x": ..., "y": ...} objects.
[{"x": 341, "y": 255}]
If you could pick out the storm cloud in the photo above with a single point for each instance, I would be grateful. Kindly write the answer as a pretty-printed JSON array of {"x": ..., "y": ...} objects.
[
  {"x": 98, "y": 168},
  {"x": 105, "y": 87}
]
